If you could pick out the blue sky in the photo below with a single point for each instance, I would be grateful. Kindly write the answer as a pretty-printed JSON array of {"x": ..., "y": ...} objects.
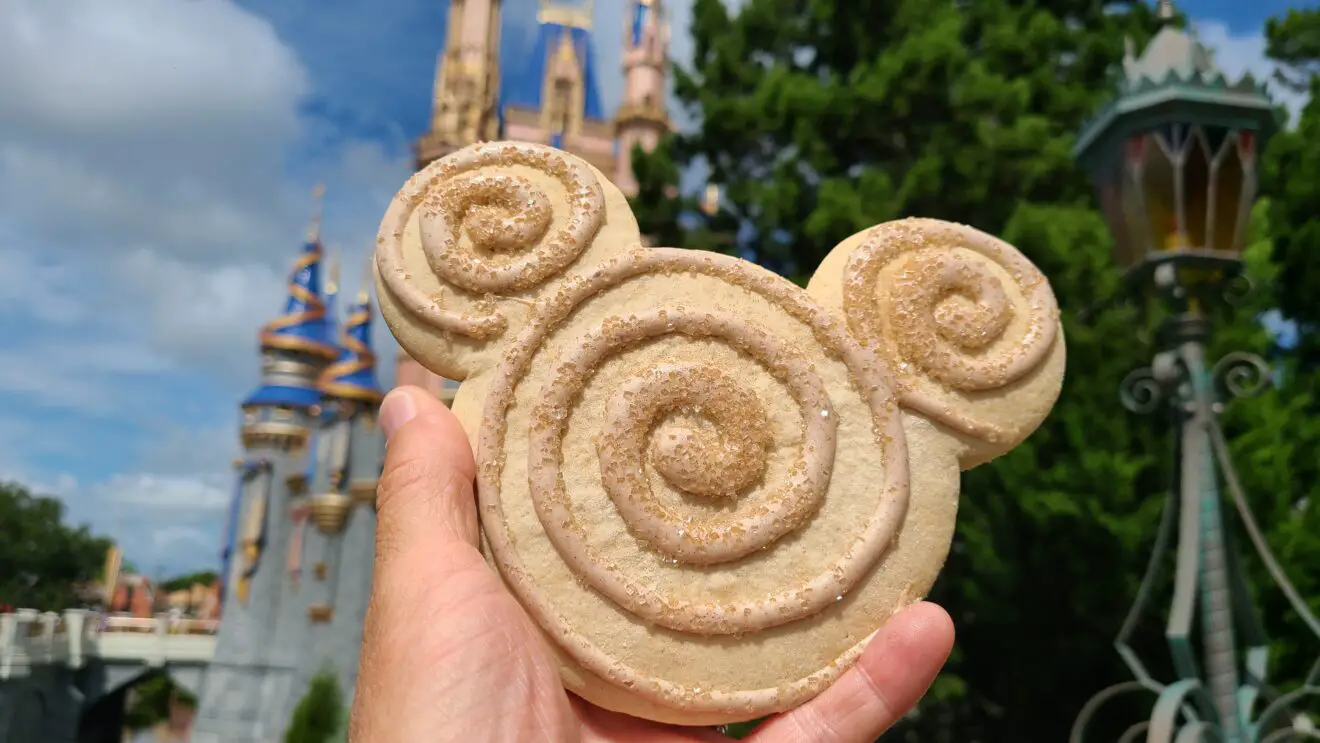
[{"x": 156, "y": 161}]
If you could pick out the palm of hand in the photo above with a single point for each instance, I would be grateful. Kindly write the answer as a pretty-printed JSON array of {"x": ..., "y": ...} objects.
[{"x": 449, "y": 654}]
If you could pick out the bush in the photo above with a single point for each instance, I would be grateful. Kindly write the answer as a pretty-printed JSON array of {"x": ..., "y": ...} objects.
[{"x": 318, "y": 716}]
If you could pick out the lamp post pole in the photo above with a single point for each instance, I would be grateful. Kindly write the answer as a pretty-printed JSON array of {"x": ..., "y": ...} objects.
[{"x": 1174, "y": 158}]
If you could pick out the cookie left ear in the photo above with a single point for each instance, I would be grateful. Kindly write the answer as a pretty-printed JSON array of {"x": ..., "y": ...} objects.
[
  {"x": 969, "y": 326},
  {"x": 475, "y": 239}
]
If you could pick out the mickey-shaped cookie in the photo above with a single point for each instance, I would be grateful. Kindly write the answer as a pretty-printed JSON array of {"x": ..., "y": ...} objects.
[{"x": 708, "y": 486}]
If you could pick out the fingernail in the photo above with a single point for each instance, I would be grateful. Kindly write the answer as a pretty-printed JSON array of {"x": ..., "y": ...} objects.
[{"x": 397, "y": 409}]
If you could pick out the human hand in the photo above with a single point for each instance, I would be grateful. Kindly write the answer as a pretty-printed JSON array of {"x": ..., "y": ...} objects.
[{"x": 449, "y": 655}]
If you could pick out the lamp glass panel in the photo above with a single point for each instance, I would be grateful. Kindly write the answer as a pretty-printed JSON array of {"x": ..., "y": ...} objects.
[
  {"x": 1231, "y": 176},
  {"x": 1158, "y": 178},
  {"x": 1196, "y": 189},
  {"x": 1132, "y": 198}
]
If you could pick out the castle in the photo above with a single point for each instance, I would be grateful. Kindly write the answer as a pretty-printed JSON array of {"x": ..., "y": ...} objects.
[
  {"x": 299, "y": 548},
  {"x": 300, "y": 540}
]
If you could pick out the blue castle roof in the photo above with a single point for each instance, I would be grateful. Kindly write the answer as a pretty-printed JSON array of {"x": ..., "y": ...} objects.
[
  {"x": 524, "y": 87},
  {"x": 642, "y": 10},
  {"x": 283, "y": 396},
  {"x": 353, "y": 375},
  {"x": 303, "y": 326}
]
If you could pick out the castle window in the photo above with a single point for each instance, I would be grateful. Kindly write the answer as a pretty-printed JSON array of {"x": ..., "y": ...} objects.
[{"x": 559, "y": 106}]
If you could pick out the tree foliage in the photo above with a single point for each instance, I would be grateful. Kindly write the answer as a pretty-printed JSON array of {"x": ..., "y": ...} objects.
[
  {"x": 818, "y": 126},
  {"x": 318, "y": 717},
  {"x": 1294, "y": 42},
  {"x": 42, "y": 558},
  {"x": 149, "y": 702},
  {"x": 188, "y": 580},
  {"x": 1291, "y": 178},
  {"x": 1275, "y": 439}
]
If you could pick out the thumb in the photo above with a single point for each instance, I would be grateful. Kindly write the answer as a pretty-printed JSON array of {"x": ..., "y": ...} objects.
[{"x": 425, "y": 503}]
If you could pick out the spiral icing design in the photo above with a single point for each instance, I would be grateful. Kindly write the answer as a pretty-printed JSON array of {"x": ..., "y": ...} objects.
[
  {"x": 489, "y": 230},
  {"x": 959, "y": 313},
  {"x": 659, "y": 446}
]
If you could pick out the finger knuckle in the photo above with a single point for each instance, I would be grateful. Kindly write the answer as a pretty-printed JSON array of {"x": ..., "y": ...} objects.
[{"x": 403, "y": 475}]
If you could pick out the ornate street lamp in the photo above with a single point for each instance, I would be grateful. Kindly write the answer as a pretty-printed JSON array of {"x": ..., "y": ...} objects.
[{"x": 1174, "y": 158}]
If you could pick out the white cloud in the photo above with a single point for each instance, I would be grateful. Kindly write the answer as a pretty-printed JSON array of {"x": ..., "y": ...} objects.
[
  {"x": 77, "y": 373},
  {"x": 144, "y": 120},
  {"x": 172, "y": 537},
  {"x": 148, "y": 218},
  {"x": 143, "y": 153},
  {"x": 1239, "y": 53},
  {"x": 164, "y": 494},
  {"x": 205, "y": 317}
]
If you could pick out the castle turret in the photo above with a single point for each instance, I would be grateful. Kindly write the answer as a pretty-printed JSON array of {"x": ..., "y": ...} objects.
[
  {"x": 331, "y": 554},
  {"x": 555, "y": 99},
  {"x": 295, "y": 347},
  {"x": 242, "y": 699},
  {"x": 642, "y": 118},
  {"x": 465, "y": 103}
]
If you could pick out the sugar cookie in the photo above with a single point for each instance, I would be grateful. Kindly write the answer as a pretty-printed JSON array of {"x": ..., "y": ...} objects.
[{"x": 708, "y": 486}]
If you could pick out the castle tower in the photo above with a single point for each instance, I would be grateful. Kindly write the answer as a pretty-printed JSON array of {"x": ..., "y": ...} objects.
[
  {"x": 554, "y": 99},
  {"x": 408, "y": 372},
  {"x": 343, "y": 506},
  {"x": 642, "y": 118},
  {"x": 465, "y": 103},
  {"x": 242, "y": 699}
]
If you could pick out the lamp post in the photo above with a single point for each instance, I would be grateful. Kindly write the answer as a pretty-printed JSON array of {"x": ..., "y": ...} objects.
[{"x": 1174, "y": 159}]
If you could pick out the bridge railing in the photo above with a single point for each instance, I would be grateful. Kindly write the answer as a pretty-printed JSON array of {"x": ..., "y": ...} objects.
[{"x": 29, "y": 638}]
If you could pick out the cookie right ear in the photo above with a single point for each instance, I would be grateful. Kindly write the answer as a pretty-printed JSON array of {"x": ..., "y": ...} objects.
[
  {"x": 969, "y": 327},
  {"x": 473, "y": 240}
]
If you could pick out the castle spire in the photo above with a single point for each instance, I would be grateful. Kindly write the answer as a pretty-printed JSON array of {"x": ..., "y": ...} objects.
[
  {"x": 465, "y": 100},
  {"x": 332, "y": 296},
  {"x": 318, "y": 212},
  {"x": 296, "y": 345},
  {"x": 302, "y": 328},
  {"x": 642, "y": 119},
  {"x": 353, "y": 375}
]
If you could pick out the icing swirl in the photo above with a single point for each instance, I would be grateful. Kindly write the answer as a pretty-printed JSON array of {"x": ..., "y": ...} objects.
[
  {"x": 631, "y": 415},
  {"x": 489, "y": 233},
  {"x": 946, "y": 311},
  {"x": 699, "y": 430}
]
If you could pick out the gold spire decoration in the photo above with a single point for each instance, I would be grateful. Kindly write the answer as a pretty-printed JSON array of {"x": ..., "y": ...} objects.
[
  {"x": 363, "y": 295},
  {"x": 318, "y": 211},
  {"x": 332, "y": 275},
  {"x": 569, "y": 15}
]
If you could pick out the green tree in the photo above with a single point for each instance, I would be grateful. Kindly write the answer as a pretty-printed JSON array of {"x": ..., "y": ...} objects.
[
  {"x": 341, "y": 729},
  {"x": 1294, "y": 42},
  {"x": 1274, "y": 439},
  {"x": 319, "y": 715},
  {"x": 42, "y": 559},
  {"x": 149, "y": 701},
  {"x": 1291, "y": 178},
  {"x": 188, "y": 580},
  {"x": 1284, "y": 479},
  {"x": 819, "y": 126}
]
